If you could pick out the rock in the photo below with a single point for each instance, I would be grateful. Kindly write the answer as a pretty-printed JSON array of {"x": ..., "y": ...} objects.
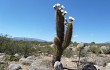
[
  {"x": 41, "y": 64},
  {"x": 28, "y": 60},
  {"x": 105, "y": 49},
  {"x": 89, "y": 67},
  {"x": 31, "y": 57},
  {"x": 108, "y": 64},
  {"x": 2, "y": 62},
  {"x": 25, "y": 61},
  {"x": 101, "y": 68},
  {"x": 2, "y": 54},
  {"x": 100, "y": 61},
  {"x": 36, "y": 63},
  {"x": 2, "y": 57},
  {"x": 40, "y": 68},
  {"x": 97, "y": 67},
  {"x": 102, "y": 55},
  {"x": 14, "y": 67},
  {"x": 52, "y": 45},
  {"x": 16, "y": 55},
  {"x": 86, "y": 48},
  {"x": 58, "y": 66},
  {"x": 21, "y": 59},
  {"x": 32, "y": 68}
]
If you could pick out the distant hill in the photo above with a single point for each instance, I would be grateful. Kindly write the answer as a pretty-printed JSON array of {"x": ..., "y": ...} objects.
[
  {"x": 107, "y": 42},
  {"x": 28, "y": 39}
]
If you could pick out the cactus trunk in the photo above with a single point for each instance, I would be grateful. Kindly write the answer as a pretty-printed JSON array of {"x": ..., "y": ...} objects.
[
  {"x": 57, "y": 56},
  {"x": 63, "y": 37}
]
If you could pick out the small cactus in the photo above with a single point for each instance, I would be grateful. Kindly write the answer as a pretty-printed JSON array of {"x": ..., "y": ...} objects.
[{"x": 63, "y": 36}]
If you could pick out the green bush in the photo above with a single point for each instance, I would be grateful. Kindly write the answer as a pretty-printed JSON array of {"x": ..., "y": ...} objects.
[
  {"x": 46, "y": 49},
  {"x": 68, "y": 53},
  {"x": 13, "y": 58},
  {"x": 83, "y": 53},
  {"x": 26, "y": 48},
  {"x": 95, "y": 49},
  {"x": 3, "y": 66}
]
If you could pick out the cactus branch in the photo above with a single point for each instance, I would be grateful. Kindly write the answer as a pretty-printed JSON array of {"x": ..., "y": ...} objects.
[
  {"x": 60, "y": 25},
  {"x": 68, "y": 36}
]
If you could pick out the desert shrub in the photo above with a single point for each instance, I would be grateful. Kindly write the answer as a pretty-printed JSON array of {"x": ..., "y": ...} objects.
[
  {"x": 22, "y": 47},
  {"x": 46, "y": 49},
  {"x": 11, "y": 48},
  {"x": 83, "y": 53},
  {"x": 13, "y": 58},
  {"x": 27, "y": 49},
  {"x": 82, "y": 49},
  {"x": 94, "y": 49},
  {"x": 68, "y": 53},
  {"x": 105, "y": 49},
  {"x": 3, "y": 66}
]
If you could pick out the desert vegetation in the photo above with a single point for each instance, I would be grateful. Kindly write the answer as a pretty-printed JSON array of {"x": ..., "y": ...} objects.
[{"x": 13, "y": 50}]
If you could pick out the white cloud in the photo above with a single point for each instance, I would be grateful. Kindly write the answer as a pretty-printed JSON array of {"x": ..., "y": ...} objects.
[{"x": 75, "y": 36}]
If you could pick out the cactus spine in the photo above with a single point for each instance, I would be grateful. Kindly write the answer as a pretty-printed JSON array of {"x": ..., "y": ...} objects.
[{"x": 62, "y": 38}]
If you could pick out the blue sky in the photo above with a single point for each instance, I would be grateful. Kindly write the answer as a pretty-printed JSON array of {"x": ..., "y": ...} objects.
[{"x": 36, "y": 19}]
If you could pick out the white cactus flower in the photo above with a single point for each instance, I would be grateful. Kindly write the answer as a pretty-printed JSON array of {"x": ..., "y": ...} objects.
[
  {"x": 55, "y": 6},
  {"x": 62, "y": 11},
  {"x": 59, "y": 8},
  {"x": 62, "y": 7},
  {"x": 58, "y": 5},
  {"x": 71, "y": 19},
  {"x": 65, "y": 12}
]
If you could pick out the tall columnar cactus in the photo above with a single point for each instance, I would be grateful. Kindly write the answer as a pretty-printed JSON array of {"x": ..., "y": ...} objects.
[{"x": 63, "y": 36}]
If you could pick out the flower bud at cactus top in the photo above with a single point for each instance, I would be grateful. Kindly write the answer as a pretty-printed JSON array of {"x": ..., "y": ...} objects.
[
  {"x": 59, "y": 8},
  {"x": 58, "y": 5},
  {"x": 62, "y": 10},
  {"x": 55, "y": 7},
  {"x": 71, "y": 19},
  {"x": 65, "y": 12},
  {"x": 62, "y": 7}
]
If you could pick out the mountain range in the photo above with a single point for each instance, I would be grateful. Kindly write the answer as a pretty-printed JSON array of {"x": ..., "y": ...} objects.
[{"x": 28, "y": 39}]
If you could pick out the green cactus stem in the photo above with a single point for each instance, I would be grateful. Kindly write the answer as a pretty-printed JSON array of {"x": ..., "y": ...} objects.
[{"x": 63, "y": 37}]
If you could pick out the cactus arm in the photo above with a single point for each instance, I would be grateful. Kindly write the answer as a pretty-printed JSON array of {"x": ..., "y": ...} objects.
[
  {"x": 57, "y": 43},
  {"x": 68, "y": 36},
  {"x": 60, "y": 25}
]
